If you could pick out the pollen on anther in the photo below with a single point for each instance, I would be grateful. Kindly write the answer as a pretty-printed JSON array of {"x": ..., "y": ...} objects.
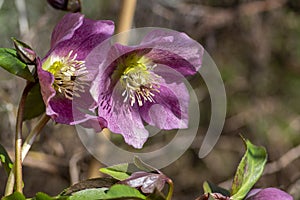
[{"x": 69, "y": 75}]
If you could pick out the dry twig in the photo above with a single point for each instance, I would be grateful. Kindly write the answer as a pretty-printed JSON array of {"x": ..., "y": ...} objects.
[{"x": 212, "y": 18}]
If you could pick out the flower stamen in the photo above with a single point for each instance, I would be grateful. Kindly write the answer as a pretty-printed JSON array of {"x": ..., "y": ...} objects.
[
  {"x": 139, "y": 81},
  {"x": 69, "y": 74}
]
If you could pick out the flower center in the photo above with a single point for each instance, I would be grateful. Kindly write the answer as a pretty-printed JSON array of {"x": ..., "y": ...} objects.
[
  {"x": 139, "y": 80},
  {"x": 68, "y": 74}
]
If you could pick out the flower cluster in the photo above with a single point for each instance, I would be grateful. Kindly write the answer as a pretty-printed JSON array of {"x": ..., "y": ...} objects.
[
  {"x": 87, "y": 79},
  {"x": 130, "y": 85}
]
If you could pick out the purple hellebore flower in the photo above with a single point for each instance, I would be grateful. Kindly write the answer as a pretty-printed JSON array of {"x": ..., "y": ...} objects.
[
  {"x": 144, "y": 83},
  {"x": 268, "y": 194},
  {"x": 63, "y": 73}
]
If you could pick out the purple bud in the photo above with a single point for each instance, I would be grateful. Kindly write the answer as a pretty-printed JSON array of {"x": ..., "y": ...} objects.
[
  {"x": 24, "y": 51},
  {"x": 67, "y": 5},
  {"x": 268, "y": 194}
]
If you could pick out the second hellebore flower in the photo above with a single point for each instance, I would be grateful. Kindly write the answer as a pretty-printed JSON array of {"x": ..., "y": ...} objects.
[
  {"x": 144, "y": 83},
  {"x": 63, "y": 73},
  {"x": 268, "y": 194}
]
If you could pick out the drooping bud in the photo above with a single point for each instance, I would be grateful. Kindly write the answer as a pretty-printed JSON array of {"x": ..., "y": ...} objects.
[
  {"x": 24, "y": 52},
  {"x": 67, "y": 5}
]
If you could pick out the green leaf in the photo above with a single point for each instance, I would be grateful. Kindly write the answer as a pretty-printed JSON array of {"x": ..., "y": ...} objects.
[
  {"x": 206, "y": 188},
  {"x": 123, "y": 171},
  {"x": 34, "y": 105},
  {"x": 119, "y": 172},
  {"x": 122, "y": 192},
  {"x": 10, "y": 62},
  {"x": 249, "y": 170},
  {"x": 42, "y": 196},
  {"x": 15, "y": 196},
  {"x": 90, "y": 183},
  {"x": 89, "y": 194},
  {"x": 115, "y": 192},
  {"x": 209, "y": 187},
  {"x": 5, "y": 159}
]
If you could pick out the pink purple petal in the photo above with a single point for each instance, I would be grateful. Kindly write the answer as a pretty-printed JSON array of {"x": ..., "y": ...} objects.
[
  {"x": 65, "y": 29},
  {"x": 79, "y": 35},
  {"x": 174, "y": 49},
  {"x": 268, "y": 194},
  {"x": 170, "y": 109}
]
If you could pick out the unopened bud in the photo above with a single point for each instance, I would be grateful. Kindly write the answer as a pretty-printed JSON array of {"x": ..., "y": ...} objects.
[
  {"x": 24, "y": 52},
  {"x": 67, "y": 5}
]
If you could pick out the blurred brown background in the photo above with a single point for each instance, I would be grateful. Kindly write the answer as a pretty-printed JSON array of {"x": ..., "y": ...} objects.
[{"x": 256, "y": 46}]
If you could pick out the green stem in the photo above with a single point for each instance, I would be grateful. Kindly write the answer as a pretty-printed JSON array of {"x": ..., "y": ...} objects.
[
  {"x": 25, "y": 149},
  {"x": 171, "y": 189},
  {"x": 18, "y": 139},
  {"x": 16, "y": 172}
]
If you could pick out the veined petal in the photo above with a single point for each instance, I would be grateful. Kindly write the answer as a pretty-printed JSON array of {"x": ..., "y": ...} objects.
[
  {"x": 174, "y": 49},
  {"x": 96, "y": 123},
  {"x": 86, "y": 37},
  {"x": 63, "y": 109},
  {"x": 105, "y": 64},
  {"x": 169, "y": 109},
  {"x": 46, "y": 80},
  {"x": 65, "y": 29},
  {"x": 128, "y": 124},
  {"x": 122, "y": 119}
]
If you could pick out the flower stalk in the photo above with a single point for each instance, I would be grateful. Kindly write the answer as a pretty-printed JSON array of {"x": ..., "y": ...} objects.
[
  {"x": 18, "y": 139},
  {"x": 171, "y": 189},
  {"x": 25, "y": 149}
]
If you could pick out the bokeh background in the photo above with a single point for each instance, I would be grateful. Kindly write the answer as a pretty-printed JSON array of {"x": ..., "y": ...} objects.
[{"x": 256, "y": 46}]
